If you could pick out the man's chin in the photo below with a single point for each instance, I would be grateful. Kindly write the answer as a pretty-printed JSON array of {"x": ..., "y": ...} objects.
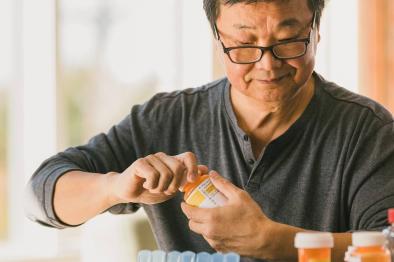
[{"x": 269, "y": 103}]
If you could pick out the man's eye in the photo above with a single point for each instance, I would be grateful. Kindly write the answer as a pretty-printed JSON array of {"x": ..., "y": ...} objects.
[
  {"x": 286, "y": 39},
  {"x": 243, "y": 43}
]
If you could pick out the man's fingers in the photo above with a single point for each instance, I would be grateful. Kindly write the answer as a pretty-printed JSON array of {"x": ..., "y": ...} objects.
[
  {"x": 218, "y": 245},
  {"x": 196, "y": 227},
  {"x": 193, "y": 213},
  {"x": 144, "y": 170},
  {"x": 165, "y": 174},
  {"x": 178, "y": 169},
  {"x": 203, "y": 229},
  {"x": 223, "y": 185},
  {"x": 202, "y": 169},
  {"x": 200, "y": 215},
  {"x": 190, "y": 162}
]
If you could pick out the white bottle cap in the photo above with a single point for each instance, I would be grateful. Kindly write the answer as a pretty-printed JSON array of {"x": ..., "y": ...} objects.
[
  {"x": 367, "y": 239},
  {"x": 313, "y": 240}
]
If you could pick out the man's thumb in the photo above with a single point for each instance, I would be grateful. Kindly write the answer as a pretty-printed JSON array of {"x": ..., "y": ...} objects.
[{"x": 223, "y": 185}]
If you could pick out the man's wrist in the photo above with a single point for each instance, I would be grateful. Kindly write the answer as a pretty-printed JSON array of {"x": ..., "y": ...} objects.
[
  {"x": 280, "y": 245},
  {"x": 109, "y": 180}
]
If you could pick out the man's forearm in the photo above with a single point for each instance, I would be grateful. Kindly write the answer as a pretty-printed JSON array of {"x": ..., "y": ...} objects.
[
  {"x": 341, "y": 243},
  {"x": 283, "y": 243},
  {"x": 80, "y": 196}
]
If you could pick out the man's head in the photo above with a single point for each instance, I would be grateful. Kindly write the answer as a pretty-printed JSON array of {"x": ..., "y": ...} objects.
[
  {"x": 271, "y": 74},
  {"x": 212, "y": 7}
]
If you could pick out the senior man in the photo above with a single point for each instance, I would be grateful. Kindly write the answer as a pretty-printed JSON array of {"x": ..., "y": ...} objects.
[{"x": 291, "y": 151}]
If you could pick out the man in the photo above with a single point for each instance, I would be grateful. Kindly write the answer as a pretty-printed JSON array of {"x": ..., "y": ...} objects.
[{"x": 294, "y": 152}]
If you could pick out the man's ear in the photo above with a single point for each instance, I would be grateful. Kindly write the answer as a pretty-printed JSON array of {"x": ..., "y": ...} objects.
[
  {"x": 219, "y": 64},
  {"x": 318, "y": 33}
]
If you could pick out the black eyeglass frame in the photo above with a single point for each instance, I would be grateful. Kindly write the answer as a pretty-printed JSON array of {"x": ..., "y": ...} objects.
[{"x": 306, "y": 41}]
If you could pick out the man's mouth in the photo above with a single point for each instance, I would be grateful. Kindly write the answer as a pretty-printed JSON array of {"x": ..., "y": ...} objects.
[{"x": 272, "y": 80}]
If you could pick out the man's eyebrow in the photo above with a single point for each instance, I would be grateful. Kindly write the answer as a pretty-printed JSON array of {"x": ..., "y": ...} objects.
[
  {"x": 291, "y": 22},
  {"x": 241, "y": 26}
]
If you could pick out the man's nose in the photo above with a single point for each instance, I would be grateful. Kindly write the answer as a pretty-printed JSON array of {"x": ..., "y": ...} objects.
[{"x": 268, "y": 62}]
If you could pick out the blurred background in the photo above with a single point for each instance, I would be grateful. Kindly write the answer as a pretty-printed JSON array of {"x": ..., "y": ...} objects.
[{"x": 70, "y": 69}]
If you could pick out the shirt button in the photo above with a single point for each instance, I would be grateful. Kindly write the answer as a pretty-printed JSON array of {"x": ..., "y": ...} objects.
[
  {"x": 251, "y": 161},
  {"x": 246, "y": 138}
]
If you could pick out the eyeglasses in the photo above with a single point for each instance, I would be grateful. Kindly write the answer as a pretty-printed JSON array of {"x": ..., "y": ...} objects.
[{"x": 250, "y": 54}]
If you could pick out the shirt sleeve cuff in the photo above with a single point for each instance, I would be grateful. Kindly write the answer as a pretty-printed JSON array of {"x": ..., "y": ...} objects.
[{"x": 49, "y": 191}]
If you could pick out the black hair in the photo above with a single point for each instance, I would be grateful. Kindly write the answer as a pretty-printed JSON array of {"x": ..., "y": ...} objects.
[{"x": 212, "y": 8}]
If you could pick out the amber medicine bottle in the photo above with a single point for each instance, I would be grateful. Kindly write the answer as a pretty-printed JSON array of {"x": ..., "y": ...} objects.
[
  {"x": 369, "y": 247},
  {"x": 314, "y": 246},
  {"x": 202, "y": 193}
]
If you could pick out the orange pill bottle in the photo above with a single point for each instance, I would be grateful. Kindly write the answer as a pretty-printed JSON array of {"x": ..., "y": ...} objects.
[
  {"x": 369, "y": 247},
  {"x": 314, "y": 246},
  {"x": 202, "y": 193}
]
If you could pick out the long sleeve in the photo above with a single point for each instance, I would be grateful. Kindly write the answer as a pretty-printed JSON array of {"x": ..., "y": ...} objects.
[
  {"x": 371, "y": 190},
  {"x": 111, "y": 152}
]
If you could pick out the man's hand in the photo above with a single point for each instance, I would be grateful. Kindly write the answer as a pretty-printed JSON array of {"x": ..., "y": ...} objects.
[
  {"x": 153, "y": 179},
  {"x": 239, "y": 226}
]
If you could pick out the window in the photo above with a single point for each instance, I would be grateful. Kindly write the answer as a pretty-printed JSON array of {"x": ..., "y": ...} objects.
[
  {"x": 62, "y": 63},
  {"x": 337, "y": 52},
  {"x": 6, "y": 74},
  {"x": 114, "y": 54},
  {"x": 27, "y": 51},
  {"x": 3, "y": 161},
  {"x": 123, "y": 52},
  {"x": 377, "y": 51}
]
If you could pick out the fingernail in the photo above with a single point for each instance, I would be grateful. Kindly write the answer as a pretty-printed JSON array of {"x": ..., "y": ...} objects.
[
  {"x": 192, "y": 176},
  {"x": 213, "y": 174}
]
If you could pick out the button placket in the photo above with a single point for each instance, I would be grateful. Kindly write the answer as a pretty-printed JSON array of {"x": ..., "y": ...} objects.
[
  {"x": 254, "y": 180},
  {"x": 248, "y": 150}
]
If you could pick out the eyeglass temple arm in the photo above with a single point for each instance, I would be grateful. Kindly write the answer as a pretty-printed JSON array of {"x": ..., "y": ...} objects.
[
  {"x": 216, "y": 31},
  {"x": 313, "y": 25}
]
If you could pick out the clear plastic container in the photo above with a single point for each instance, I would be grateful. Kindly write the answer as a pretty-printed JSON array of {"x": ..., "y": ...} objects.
[
  {"x": 187, "y": 256},
  {"x": 159, "y": 256},
  {"x": 217, "y": 257},
  {"x": 389, "y": 233},
  {"x": 314, "y": 246},
  {"x": 369, "y": 247},
  {"x": 202, "y": 193},
  {"x": 231, "y": 257},
  {"x": 144, "y": 256},
  {"x": 203, "y": 257},
  {"x": 173, "y": 256}
]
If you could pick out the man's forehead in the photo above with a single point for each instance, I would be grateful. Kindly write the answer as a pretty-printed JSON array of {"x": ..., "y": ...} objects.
[
  {"x": 281, "y": 14},
  {"x": 231, "y": 2},
  {"x": 287, "y": 22}
]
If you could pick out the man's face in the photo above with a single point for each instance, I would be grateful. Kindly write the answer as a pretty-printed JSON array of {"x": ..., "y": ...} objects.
[{"x": 263, "y": 24}]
